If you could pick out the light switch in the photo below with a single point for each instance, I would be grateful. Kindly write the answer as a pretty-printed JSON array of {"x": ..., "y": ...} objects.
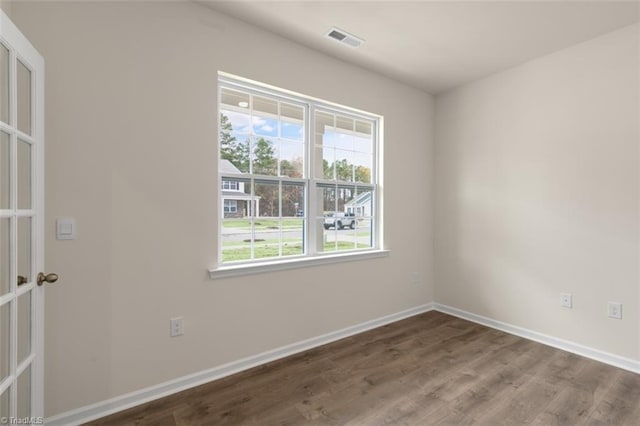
[{"x": 66, "y": 229}]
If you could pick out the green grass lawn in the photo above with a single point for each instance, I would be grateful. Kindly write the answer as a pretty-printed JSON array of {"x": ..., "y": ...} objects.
[
  {"x": 265, "y": 250},
  {"x": 265, "y": 242},
  {"x": 261, "y": 251}
]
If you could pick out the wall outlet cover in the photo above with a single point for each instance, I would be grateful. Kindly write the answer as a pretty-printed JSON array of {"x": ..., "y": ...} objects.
[
  {"x": 176, "y": 327},
  {"x": 566, "y": 300},
  {"x": 615, "y": 310}
]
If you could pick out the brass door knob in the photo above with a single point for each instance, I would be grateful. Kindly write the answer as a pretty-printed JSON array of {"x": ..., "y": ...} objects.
[
  {"x": 49, "y": 278},
  {"x": 21, "y": 280}
]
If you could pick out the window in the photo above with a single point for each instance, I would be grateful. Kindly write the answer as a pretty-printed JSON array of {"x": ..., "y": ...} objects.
[
  {"x": 230, "y": 185},
  {"x": 230, "y": 206},
  {"x": 304, "y": 173}
]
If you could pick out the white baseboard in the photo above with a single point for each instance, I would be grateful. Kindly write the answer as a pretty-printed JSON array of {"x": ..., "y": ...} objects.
[
  {"x": 565, "y": 345},
  {"x": 123, "y": 402}
]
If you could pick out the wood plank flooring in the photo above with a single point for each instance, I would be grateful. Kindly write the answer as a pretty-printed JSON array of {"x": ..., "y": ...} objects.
[{"x": 431, "y": 369}]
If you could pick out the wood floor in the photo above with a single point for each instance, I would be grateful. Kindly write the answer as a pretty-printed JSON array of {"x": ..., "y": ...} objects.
[{"x": 431, "y": 369}]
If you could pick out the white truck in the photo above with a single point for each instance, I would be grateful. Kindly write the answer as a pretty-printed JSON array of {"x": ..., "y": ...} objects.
[{"x": 340, "y": 220}]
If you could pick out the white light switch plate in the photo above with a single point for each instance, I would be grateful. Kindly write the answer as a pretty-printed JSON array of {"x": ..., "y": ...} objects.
[{"x": 66, "y": 229}]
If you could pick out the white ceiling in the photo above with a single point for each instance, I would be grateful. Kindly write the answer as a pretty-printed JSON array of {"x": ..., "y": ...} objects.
[{"x": 437, "y": 45}]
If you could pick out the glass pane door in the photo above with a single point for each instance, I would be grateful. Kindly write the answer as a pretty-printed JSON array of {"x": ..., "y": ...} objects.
[{"x": 20, "y": 225}]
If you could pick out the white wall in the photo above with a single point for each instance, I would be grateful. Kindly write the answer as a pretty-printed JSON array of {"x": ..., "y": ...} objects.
[
  {"x": 6, "y": 7},
  {"x": 131, "y": 154},
  {"x": 537, "y": 171},
  {"x": 537, "y": 194}
]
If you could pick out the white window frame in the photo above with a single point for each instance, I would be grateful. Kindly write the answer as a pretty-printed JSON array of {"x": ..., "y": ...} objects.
[
  {"x": 311, "y": 184},
  {"x": 227, "y": 185},
  {"x": 232, "y": 208}
]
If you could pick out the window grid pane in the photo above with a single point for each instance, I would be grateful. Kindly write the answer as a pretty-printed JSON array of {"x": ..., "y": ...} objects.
[
  {"x": 346, "y": 147},
  {"x": 4, "y": 83},
  {"x": 24, "y": 98},
  {"x": 263, "y": 137}
]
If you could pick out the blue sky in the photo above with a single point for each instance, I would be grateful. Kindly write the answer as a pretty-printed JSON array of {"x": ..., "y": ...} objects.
[
  {"x": 335, "y": 145},
  {"x": 264, "y": 126}
]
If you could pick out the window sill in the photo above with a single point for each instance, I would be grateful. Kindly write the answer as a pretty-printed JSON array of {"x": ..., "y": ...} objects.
[{"x": 259, "y": 268}]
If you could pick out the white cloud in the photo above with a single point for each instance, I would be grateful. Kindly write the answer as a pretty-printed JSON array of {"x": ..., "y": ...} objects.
[
  {"x": 257, "y": 121},
  {"x": 238, "y": 121}
]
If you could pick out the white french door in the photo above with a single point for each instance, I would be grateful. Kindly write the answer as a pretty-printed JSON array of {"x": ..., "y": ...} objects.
[{"x": 21, "y": 226}]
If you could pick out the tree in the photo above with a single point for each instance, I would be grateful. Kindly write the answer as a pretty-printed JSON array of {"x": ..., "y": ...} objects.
[
  {"x": 264, "y": 161},
  {"x": 363, "y": 174},
  {"x": 268, "y": 194},
  {"x": 230, "y": 148},
  {"x": 291, "y": 168},
  {"x": 228, "y": 142},
  {"x": 344, "y": 171},
  {"x": 292, "y": 200},
  {"x": 328, "y": 169}
]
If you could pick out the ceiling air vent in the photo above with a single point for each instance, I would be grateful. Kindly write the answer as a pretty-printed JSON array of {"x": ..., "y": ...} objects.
[{"x": 344, "y": 37}]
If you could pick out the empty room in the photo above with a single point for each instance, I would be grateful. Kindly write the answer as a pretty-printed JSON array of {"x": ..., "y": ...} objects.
[{"x": 320, "y": 212}]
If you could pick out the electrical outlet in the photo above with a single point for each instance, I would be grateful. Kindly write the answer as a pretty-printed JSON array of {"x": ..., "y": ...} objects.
[
  {"x": 176, "y": 327},
  {"x": 566, "y": 300},
  {"x": 415, "y": 278},
  {"x": 615, "y": 310}
]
